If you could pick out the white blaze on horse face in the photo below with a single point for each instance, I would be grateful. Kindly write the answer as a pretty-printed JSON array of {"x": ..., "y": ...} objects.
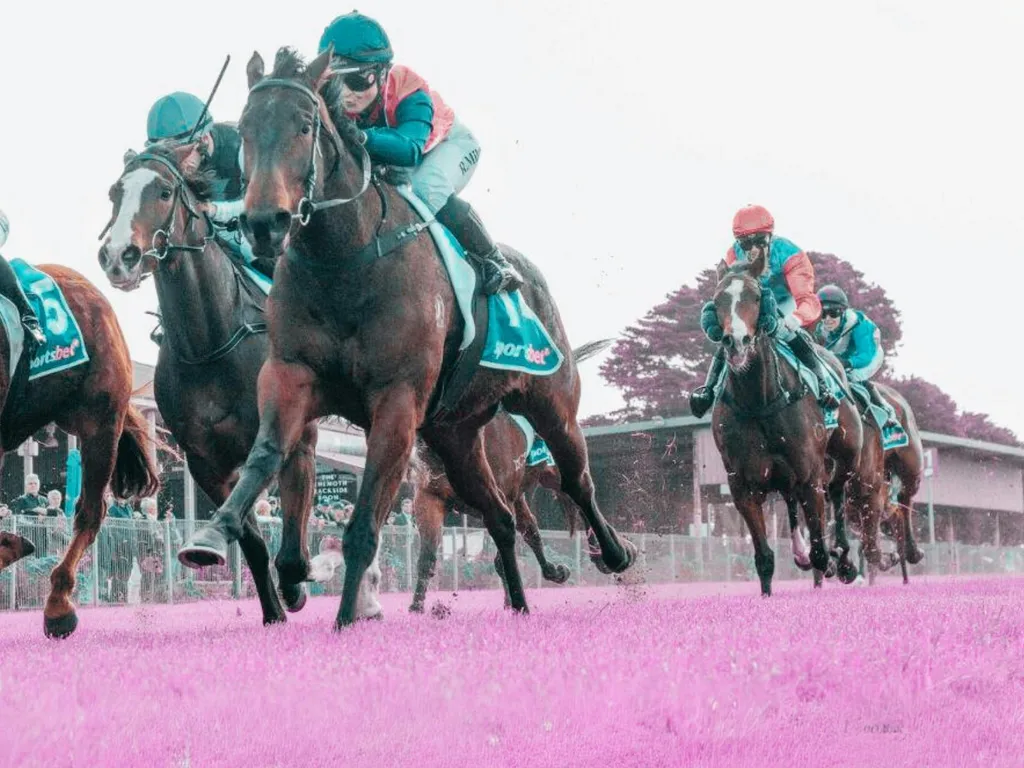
[
  {"x": 132, "y": 187},
  {"x": 738, "y": 325}
]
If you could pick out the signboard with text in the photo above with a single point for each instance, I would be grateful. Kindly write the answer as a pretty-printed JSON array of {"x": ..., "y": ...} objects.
[{"x": 334, "y": 485}]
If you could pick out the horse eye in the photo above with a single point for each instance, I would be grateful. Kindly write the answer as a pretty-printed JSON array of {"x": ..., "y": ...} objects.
[
  {"x": 306, "y": 128},
  {"x": 165, "y": 194}
]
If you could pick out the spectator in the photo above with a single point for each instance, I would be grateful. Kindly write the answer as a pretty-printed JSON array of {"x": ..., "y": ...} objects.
[
  {"x": 263, "y": 509},
  {"x": 404, "y": 516},
  {"x": 120, "y": 509},
  {"x": 30, "y": 503},
  {"x": 53, "y": 507}
]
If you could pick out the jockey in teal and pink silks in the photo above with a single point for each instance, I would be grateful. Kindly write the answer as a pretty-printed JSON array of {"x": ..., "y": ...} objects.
[
  {"x": 789, "y": 304},
  {"x": 852, "y": 337},
  {"x": 10, "y": 287},
  {"x": 409, "y": 126}
]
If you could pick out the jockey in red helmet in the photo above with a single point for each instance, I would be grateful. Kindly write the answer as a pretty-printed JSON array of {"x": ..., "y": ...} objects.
[{"x": 789, "y": 277}]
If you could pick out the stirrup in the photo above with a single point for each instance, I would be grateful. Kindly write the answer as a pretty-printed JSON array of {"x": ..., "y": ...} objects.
[
  {"x": 31, "y": 326},
  {"x": 500, "y": 277}
]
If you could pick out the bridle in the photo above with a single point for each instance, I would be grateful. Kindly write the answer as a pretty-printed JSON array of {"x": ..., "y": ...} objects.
[{"x": 307, "y": 206}]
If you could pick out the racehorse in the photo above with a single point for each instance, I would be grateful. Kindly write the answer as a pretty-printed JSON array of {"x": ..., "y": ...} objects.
[
  {"x": 92, "y": 401},
  {"x": 13, "y": 547},
  {"x": 771, "y": 434},
  {"x": 363, "y": 322},
  {"x": 215, "y": 333},
  {"x": 882, "y": 476}
]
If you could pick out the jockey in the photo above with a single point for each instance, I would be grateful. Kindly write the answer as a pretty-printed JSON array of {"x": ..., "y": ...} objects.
[
  {"x": 10, "y": 287},
  {"x": 789, "y": 278},
  {"x": 408, "y": 125},
  {"x": 218, "y": 148},
  {"x": 851, "y": 336}
]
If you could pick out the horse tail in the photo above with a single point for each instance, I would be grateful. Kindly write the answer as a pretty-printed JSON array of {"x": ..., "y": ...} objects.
[
  {"x": 591, "y": 348},
  {"x": 135, "y": 472}
]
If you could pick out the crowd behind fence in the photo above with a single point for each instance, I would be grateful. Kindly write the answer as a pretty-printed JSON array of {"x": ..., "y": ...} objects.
[{"x": 135, "y": 561}]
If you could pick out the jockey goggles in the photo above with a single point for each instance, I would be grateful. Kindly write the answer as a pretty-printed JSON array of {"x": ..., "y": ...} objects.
[
  {"x": 749, "y": 242},
  {"x": 833, "y": 312},
  {"x": 357, "y": 78}
]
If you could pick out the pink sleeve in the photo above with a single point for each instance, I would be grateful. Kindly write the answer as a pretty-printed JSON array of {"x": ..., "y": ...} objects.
[{"x": 799, "y": 274}]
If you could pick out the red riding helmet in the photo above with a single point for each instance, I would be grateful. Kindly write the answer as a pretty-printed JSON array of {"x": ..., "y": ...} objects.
[{"x": 752, "y": 220}]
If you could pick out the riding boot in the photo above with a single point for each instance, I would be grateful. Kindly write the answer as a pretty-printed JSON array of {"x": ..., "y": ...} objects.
[
  {"x": 11, "y": 288},
  {"x": 877, "y": 399},
  {"x": 703, "y": 397},
  {"x": 462, "y": 221},
  {"x": 802, "y": 348}
]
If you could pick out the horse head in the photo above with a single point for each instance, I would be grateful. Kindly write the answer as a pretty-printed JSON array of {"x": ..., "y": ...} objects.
[
  {"x": 155, "y": 207},
  {"x": 738, "y": 307},
  {"x": 293, "y": 147}
]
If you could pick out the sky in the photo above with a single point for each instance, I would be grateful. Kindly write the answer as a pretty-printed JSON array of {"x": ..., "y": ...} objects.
[{"x": 618, "y": 141}]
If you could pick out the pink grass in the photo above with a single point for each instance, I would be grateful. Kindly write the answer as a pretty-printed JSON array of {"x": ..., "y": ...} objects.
[{"x": 931, "y": 674}]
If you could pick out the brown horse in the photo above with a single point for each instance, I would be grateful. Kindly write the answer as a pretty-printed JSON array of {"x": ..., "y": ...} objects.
[
  {"x": 13, "y": 547},
  {"x": 215, "y": 338},
  {"x": 364, "y": 324},
  {"x": 771, "y": 434},
  {"x": 91, "y": 401},
  {"x": 506, "y": 448},
  {"x": 881, "y": 473}
]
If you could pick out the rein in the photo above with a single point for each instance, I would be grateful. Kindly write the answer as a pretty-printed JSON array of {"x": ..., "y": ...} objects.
[
  {"x": 784, "y": 399},
  {"x": 307, "y": 206}
]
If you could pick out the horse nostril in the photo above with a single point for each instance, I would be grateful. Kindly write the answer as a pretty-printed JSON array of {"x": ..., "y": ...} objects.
[
  {"x": 104, "y": 258},
  {"x": 131, "y": 256},
  {"x": 727, "y": 341},
  {"x": 746, "y": 339}
]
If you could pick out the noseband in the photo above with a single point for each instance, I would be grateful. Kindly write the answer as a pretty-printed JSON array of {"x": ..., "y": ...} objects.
[{"x": 307, "y": 207}]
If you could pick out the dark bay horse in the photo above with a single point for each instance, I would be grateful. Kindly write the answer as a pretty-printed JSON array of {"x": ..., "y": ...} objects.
[
  {"x": 506, "y": 449},
  {"x": 215, "y": 338},
  {"x": 771, "y": 434},
  {"x": 362, "y": 324},
  {"x": 92, "y": 402},
  {"x": 884, "y": 487}
]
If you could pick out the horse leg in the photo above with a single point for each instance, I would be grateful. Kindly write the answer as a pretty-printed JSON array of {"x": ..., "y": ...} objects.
[
  {"x": 526, "y": 524},
  {"x": 254, "y": 548},
  {"x": 796, "y": 537},
  {"x": 430, "y": 520},
  {"x": 565, "y": 440},
  {"x": 297, "y": 484},
  {"x": 811, "y": 496},
  {"x": 395, "y": 416},
  {"x": 99, "y": 453},
  {"x": 914, "y": 555},
  {"x": 847, "y": 571},
  {"x": 750, "y": 506},
  {"x": 287, "y": 399},
  {"x": 462, "y": 450}
]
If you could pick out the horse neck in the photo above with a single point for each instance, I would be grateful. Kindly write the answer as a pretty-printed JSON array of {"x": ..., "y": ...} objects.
[
  {"x": 345, "y": 228},
  {"x": 198, "y": 299},
  {"x": 759, "y": 385}
]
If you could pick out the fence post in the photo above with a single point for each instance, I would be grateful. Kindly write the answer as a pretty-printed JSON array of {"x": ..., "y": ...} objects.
[
  {"x": 14, "y": 569},
  {"x": 579, "y": 557},
  {"x": 168, "y": 575},
  {"x": 95, "y": 547},
  {"x": 455, "y": 559},
  {"x": 672, "y": 554},
  {"x": 236, "y": 571},
  {"x": 408, "y": 555}
]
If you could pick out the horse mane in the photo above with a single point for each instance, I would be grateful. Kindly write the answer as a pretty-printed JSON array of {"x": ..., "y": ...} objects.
[
  {"x": 200, "y": 182},
  {"x": 290, "y": 65}
]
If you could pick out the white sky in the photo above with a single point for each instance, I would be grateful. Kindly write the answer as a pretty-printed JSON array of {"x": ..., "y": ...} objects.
[{"x": 619, "y": 138}]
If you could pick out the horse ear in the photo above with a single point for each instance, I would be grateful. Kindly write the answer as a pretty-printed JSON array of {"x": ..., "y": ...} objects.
[
  {"x": 254, "y": 69},
  {"x": 721, "y": 270},
  {"x": 318, "y": 70}
]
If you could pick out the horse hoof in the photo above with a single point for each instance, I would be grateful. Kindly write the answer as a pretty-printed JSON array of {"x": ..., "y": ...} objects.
[
  {"x": 803, "y": 565},
  {"x": 847, "y": 572},
  {"x": 599, "y": 564},
  {"x": 278, "y": 618},
  {"x": 61, "y": 626},
  {"x": 375, "y": 617},
  {"x": 294, "y": 596},
  {"x": 206, "y": 547},
  {"x": 557, "y": 574},
  {"x": 416, "y": 608},
  {"x": 914, "y": 555}
]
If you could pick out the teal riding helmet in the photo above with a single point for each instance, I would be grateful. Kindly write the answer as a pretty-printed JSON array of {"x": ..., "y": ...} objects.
[
  {"x": 357, "y": 38},
  {"x": 174, "y": 116}
]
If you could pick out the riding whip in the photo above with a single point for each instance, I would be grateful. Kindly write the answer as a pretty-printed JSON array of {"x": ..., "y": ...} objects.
[{"x": 206, "y": 107}]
